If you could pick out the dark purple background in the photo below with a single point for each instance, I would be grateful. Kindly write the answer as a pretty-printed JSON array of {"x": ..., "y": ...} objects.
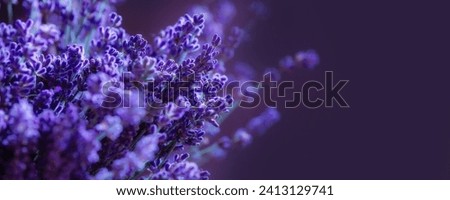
[{"x": 395, "y": 55}]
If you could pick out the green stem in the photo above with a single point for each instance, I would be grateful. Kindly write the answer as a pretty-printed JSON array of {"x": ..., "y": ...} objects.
[
  {"x": 206, "y": 150},
  {"x": 142, "y": 129}
]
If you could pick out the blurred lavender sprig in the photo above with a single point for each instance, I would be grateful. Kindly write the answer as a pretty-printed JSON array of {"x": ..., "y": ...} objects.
[{"x": 57, "y": 121}]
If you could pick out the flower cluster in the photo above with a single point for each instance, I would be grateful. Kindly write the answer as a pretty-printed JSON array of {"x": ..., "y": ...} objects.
[{"x": 72, "y": 106}]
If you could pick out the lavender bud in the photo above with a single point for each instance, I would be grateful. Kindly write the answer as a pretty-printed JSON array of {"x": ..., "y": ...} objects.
[{"x": 242, "y": 137}]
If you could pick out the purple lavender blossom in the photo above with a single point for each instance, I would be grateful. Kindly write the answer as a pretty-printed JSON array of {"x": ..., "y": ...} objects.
[
  {"x": 307, "y": 59},
  {"x": 242, "y": 137},
  {"x": 262, "y": 122},
  {"x": 144, "y": 151},
  {"x": 180, "y": 169},
  {"x": 302, "y": 59},
  {"x": 71, "y": 106}
]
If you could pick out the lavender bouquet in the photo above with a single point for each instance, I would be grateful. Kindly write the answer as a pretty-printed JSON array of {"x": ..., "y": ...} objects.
[{"x": 80, "y": 98}]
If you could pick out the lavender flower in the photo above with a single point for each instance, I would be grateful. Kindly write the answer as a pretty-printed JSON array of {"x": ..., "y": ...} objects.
[
  {"x": 307, "y": 59},
  {"x": 144, "y": 151},
  {"x": 180, "y": 169},
  {"x": 303, "y": 59},
  {"x": 111, "y": 126},
  {"x": 242, "y": 137},
  {"x": 73, "y": 106},
  {"x": 262, "y": 122}
]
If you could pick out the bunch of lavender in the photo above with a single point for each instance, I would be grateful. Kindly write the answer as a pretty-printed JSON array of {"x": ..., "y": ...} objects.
[{"x": 80, "y": 98}]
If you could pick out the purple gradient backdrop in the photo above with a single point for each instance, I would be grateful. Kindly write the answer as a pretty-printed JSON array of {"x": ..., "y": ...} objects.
[{"x": 392, "y": 53}]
